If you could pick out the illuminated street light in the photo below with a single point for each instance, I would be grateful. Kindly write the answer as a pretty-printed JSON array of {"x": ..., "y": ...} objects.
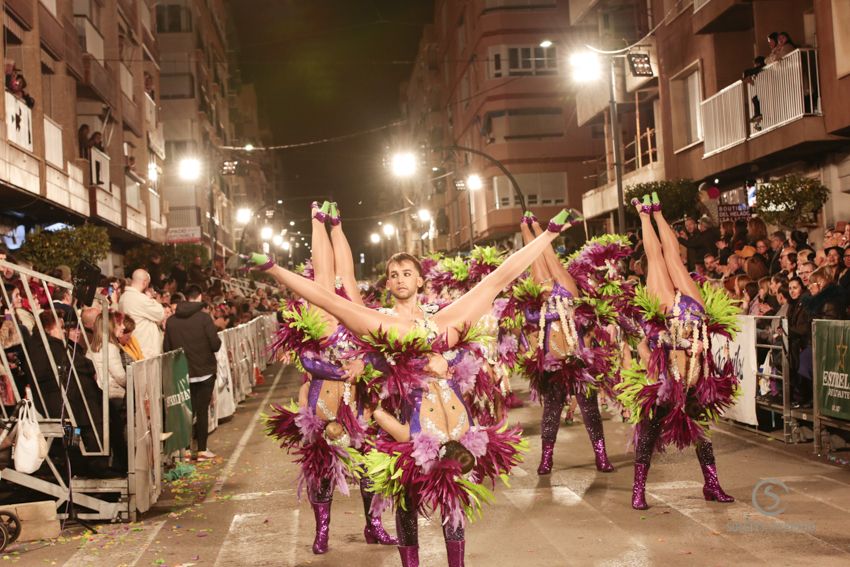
[
  {"x": 243, "y": 216},
  {"x": 280, "y": 201},
  {"x": 546, "y": 43},
  {"x": 153, "y": 172},
  {"x": 189, "y": 169},
  {"x": 292, "y": 223},
  {"x": 249, "y": 147},
  {"x": 266, "y": 233},
  {"x": 586, "y": 67},
  {"x": 277, "y": 240},
  {"x": 403, "y": 164},
  {"x": 388, "y": 229},
  {"x": 375, "y": 238},
  {"x": 286, "y": 245},
  {"x": 424, "y": 215},
  {"x": 474, "y": 182}
]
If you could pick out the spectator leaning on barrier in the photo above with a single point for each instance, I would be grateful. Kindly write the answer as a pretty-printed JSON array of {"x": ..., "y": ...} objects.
[
  {"x": 129, "y": 343},
  {"x": 192, "y": 329},
  {"x": 145, "y": 311}
]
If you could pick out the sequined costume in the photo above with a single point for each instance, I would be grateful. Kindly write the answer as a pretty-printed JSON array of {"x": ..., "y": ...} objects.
[
  {"x": 326, "y": 433},
  {"x": 683, "y": 386},
  {"x": 431, "y": 479}
]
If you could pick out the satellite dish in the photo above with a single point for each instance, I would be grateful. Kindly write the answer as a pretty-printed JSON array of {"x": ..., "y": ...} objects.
[{"x": 15, "y": 237}]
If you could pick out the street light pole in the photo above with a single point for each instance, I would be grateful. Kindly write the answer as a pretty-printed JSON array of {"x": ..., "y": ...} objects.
[
  {"x": 618, "y": 152},
  {"x": 517, "y": 191}
]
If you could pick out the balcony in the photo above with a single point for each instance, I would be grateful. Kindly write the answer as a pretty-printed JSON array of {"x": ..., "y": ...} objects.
[
  {"x": 97, "y": 81},
  {"x": 18, "y": 122},
  {"x": 128, "y": 8},
  {"x": 52, "y": 34},
  {"x": 156, "y": 140},
  {"x": 150, "y": 110},
  {"x": 592, "y": 98},
  {"x": 787, "y": 91},
  {"x": 73, "y": 51},
  {"x": 53, "y": 152},
  {"x": 126, "y": 81},
  {"x": 99, "y": 170},
  {"x": 23, "y": 11},
  {"x": 714, "y": 16},
  {"x": 90, "y": 38}
]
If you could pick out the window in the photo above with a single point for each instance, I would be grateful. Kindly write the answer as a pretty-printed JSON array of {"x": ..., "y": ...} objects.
[
  {"x": 180, "y": 85},
  {"x": 177, "y": 149},
  {"x": 173, "y": 19},
  {"x": 522, "y": 61},
  {"x": 525, "y": 123},
  {"x": 546, "y": 188},
  {"x": 685, "y": 98}
]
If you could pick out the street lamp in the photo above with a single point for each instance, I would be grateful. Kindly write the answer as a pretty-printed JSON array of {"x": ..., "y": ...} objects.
[
  {"x": 546, "y": 43},
  {"x": 388, "y": 230},
  {"x": 375, "y": 238},
  {"x": 474, "y": 182},
  {"x": 587, "y": 67},
  {"x": 189, "y": 169},
  {"x": 277, "y": 240},
  {"x": 266, "y": 233},
  {"x": 243, "y": 216},
  {"x": 403, "y": 164},
  {"x": 424, "y": 215}
]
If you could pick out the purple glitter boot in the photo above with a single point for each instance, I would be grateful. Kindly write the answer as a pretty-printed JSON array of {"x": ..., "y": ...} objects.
[
  {"x": 374, "y": 532},
  {"x": 638, "y": 496},
  {"x": 546, "y": 459},
  {"x": 602, "y": 462},
  {"x": 712, "y": 489},
  {"x": 322, "y": 511},
  {"x": 455, "y": 553},
  {"x": 409, "y": 555}
]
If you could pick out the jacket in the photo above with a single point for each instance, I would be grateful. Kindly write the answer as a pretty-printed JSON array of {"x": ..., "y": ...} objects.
[
  {"x": 193, "y": 330},
  {"x": 147, "y": 314},
  {"x": 117, "y": 374}
]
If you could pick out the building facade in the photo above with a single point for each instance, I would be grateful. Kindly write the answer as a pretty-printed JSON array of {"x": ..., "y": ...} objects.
[
  {"x": 490, "y": 77},
  {"x": 712, "y": 124}
]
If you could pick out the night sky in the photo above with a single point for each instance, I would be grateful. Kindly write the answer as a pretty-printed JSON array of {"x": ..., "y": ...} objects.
[{"x": 325, "y": 68}]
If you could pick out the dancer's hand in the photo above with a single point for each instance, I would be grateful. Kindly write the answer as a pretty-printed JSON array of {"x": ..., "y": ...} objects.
[{"x": 353, "y": 368}]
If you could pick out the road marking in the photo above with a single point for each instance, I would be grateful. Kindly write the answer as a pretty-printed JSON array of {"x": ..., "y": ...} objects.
[
  {"x": 243, "y": 441},
  {"x": 257, "y": 495},
  {"x": 767, "y": 447},
  {"x": 122, "y": 545},
  {"x": 255, "y": 539}
]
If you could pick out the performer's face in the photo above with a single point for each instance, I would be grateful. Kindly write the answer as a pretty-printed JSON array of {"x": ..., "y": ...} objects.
[{"x": 403, "y": 279}]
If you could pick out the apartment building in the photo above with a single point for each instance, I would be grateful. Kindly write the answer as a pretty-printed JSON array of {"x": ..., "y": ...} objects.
[
  {"x": 82, "y": 140},
  {"x": 490, "y": 76},
  {"x": 712, "y": 125}
]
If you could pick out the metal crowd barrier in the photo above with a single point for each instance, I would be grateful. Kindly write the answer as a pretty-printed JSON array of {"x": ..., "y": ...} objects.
[
  {"x": 159, "y": 411},
  {"x": 831, "y": 380}
]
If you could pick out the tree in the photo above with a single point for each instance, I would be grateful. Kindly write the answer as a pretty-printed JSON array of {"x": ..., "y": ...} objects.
[
  {"x": 139, "y": 257},
  {"x": 679, "y": 197},
  {"x": 67, "y": 246},
  {"x": 790, "y": 201}
]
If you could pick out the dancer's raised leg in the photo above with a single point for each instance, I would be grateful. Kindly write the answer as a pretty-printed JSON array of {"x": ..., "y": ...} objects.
[
  {"x": 657, "y": 279},
  {"x": 539, "y": 272},
  {"x": 322, "y": 251},
  {"x": 675, "y": 267},
  {"x": 343, "y": 259}
]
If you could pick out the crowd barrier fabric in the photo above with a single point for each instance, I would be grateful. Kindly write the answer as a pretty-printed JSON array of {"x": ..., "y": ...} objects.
[{"x": 742, "y": 352}]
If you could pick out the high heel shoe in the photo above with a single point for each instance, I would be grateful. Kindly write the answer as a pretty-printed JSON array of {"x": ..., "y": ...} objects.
[
  {"x": 656, "y": 202},
  {"x": 558, "y": 222},
  {"x": 642, "y": 208},
  {"x": 333, "y": 214},
  {"x": 374, "y": 532},
  {"x": 322, "y": 214},
  {"x": 546, "y": 457},
  {"x": 528, "y": 218},
  {"x": 712, "y": 491},
  {"x": 602, "y": 462},
  {"x": 639, "y": 487}
]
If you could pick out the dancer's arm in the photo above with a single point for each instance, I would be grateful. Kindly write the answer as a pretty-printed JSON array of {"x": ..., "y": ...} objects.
[
  {"x": 556, "y": 269},
  {"x": 478, "y": 301},
  {"x": 358, "y": 319},
  {"x": 344, "y": 264},
  {"x": 539, "y": 272},
  {"x": 399, "y": 431}
]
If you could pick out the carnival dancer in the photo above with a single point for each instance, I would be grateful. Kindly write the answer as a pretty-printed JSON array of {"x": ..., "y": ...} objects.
[
  {"x": 442, "y": 457},
  {"x": 562, "y": 363},
  {"x": 330, "y": 416},
  {"x": 678, "y": 386}
]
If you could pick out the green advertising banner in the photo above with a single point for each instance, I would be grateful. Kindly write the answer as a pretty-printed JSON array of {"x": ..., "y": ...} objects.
[
  {"x": 178, "y": 404},
  {"x": 832, "y": 368}
]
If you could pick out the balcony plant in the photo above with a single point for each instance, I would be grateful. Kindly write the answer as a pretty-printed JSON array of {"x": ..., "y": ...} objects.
[
  {"x": 48, "y": 249},
  {"x": 679, "y": 197},
  {"x": 791, "y": 201}
]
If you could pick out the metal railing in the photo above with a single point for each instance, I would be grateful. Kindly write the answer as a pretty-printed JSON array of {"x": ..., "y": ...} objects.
[
  {"x": 724, "y": 119},
  {"x": 787, "y": 90}
]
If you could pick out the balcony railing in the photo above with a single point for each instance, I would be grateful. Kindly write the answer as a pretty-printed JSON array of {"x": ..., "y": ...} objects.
[
  {"x": 150, "y": 110},
  {"x": 145, "y": 16},
  {"x": 18, "y": 122},
  {"x": 700, "y": 4},
  {"x": 787, "y": 90},
  {"x": 156, "y": 140},
  {"x": 724, "y": 119},
  {"x": 53, "y": 144},
  {"x": 99, "y": 169},
  {"x": 126, "y": 81},
  {"x": 184, "y": 217},
  {"x": 90, "y": 39},
  {"x": 779, "y": 94}
]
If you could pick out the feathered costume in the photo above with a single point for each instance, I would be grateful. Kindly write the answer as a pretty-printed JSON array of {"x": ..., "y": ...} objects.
[
  {"x": 420, "y": 475},
  {"x": 328, "y": 455},
  {"x": 669, "y": 408}
]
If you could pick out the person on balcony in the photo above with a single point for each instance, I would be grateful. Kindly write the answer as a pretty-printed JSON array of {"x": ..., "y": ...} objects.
[
  {"x": 784, "y": 46},
  {"x": 83, "y": 135}
]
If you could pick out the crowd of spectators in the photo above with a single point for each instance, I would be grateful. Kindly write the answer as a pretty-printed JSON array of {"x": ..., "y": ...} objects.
[{"x": 139, "y": 312}]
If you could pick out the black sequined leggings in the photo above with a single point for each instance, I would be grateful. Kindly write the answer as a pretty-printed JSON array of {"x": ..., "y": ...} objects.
[
  {"x": 554, "y": 399},
  {"x": 367, "y": 496},
  {"x": 648, "y": 434},
  {"x": 408, "y": 528},
  {"x": 322, "y": 493},
  {"x": 705, "y": 452}
]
